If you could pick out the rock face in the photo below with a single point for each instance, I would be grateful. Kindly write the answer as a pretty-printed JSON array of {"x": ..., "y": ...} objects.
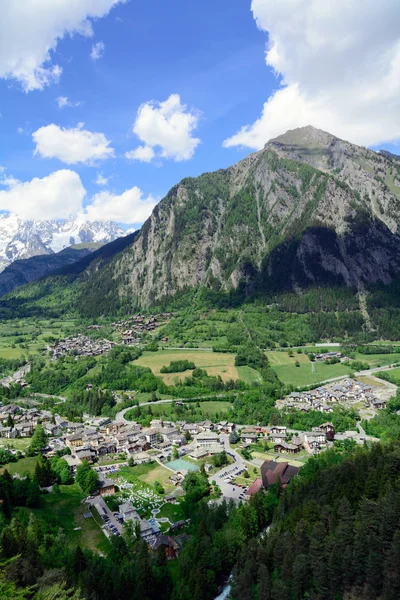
[
  {"x": 308, "y": 209},
  {"x": 24, "y": 239},
  {"x": 29, "y": 269}
]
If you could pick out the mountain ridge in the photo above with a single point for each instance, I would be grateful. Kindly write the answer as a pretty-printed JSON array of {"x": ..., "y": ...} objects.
[
  {"x": 307, "y": 210},
  {"x": 21, "y": 239}
]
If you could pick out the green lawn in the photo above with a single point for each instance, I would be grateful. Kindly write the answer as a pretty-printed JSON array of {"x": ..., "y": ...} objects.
[
  {"x": 65, "y": 511},
  {"x": 249, "y": 375},
  {"x": 17, "y": 443},
  {"x": 209, "y": 408},
  {"x": 285, "y": 368},
  {"x": 147, "y": 474},
  {"x": 24, "y": 466},
  {"x": 378, "y": 360},
  {"x": 173, "y": 512},
  {"x": 395, "y": 373}
]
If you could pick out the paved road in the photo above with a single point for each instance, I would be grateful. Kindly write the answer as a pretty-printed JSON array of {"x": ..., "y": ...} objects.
[
  {"x": 120, "y": 416},
  {"x": 103, "y": 509},
  {"x": 228, "y": 490}
]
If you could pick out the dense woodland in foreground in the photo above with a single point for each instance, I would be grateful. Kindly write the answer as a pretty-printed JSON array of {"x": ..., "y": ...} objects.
[{"x": 333, "y": 533}]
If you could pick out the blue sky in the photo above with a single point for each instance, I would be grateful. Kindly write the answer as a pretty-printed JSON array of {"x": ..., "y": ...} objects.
[{"x": 211, "y": 56}]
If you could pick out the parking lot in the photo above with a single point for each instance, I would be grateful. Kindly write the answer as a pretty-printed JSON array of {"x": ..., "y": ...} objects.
[{"x": 112, "y": 525}]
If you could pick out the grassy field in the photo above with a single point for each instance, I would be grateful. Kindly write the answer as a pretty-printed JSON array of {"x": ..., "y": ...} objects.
[
  {"x": 173, "y": 512},
  {"x": 148, "y": 473},
  {"x": 215, "y": 363},
  {"x": 25, "y": 466},
  {"x": 65, "y": 511},
  {"x": 285, "y": 368},
  {"x": 209, "y": 408},
  {"x": 17, "y": 443},
  {"x": 379, "y": 360},
  {"x": 249, "y": 375},
  {"x": 395, "y": 373}
]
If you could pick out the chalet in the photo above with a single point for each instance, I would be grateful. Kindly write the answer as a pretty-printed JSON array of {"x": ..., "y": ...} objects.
[
  {"x": 106, "y": 487},
  {"x": 254, "y": 488},
  {"x": 207, "y": 425},
  {"x": 271, "y": 471},
  {"x": 8, "y": 432},
  {"x": 329, "y": 429},
  {"x": 150, "y": 435},
  {"x": 192, "y": 428},
  {"x": 249, "y": 438},
  {"x": 61, "y": 422},
  {"x": 278, "y": 438},
  {"x": 85, "y": 454},
  {"x": 378, "y": 404},
  {"x": 72, "y": 462},
  {"x": 168, "y": 544},
  {"x": 279, "y": 430},
  {"x": 287, "y": 448},
  {"x": 24, "y": 429}
]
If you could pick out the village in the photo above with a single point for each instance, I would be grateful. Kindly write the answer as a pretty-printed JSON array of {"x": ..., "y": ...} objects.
[
  {"x": 347, "y": 393},
  {"x": 79, "y": 345},
  {"x": 177, "y": 448},
  {"x": 133, "y": 328}
]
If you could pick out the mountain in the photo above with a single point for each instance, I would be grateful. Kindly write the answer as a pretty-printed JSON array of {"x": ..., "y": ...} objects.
[
  {"x": 308, "y": 210},
  {"x": 26, "y": 270},
  {"x": 23, "y": 239}
]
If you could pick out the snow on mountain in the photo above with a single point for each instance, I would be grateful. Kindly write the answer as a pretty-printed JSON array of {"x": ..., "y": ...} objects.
[{"x": 23, "y": 239}]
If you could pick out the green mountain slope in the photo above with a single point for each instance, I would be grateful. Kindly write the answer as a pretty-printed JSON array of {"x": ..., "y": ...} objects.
[{"x": 308, "y": 210}]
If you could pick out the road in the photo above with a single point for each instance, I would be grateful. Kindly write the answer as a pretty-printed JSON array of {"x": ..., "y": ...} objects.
[
  {"x": 228, "y": 490},
  {"x": 103, "y": 509},
  {"x": 120, "y": 416}
]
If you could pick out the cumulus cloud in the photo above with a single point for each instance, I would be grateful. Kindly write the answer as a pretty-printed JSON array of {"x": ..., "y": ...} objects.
[
  {"x": 53, "y": 197},
  {"x": 165, "y": 129},
  {"x": 97, "y": 51},
  {"x": 142, "y": 153},
  {"x": 337, "y": 68},
  {"x": 101, "y": 180},
  {"x": 62, "y": 102},
  {"x": 30, "y": 32},
  {"x": 128, "y": 207},
  {"x": 72, "y": 146}
]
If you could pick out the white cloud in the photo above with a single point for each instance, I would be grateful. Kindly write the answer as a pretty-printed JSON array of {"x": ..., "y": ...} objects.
[
  {"x": 72, "y": 146},
  {"x": 101, "y": 180},
  {"x": 142, "y": 153},
  {"x": 30, "y": 32},
  {"x": 20, "y": 130},
  {"x": 165, "y": 127},
  {"x": 338, "y": 67},
  {"x": 128, "y": 207},
  {"x": 53, "y": 197},
  {"x": 63, "y": 101},
  {"x": 97, "y": 51}
]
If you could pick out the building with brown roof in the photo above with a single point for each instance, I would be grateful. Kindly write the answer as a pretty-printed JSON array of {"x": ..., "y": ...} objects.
[
  {"x": 255, "y": 487},
  {"x": 271, "y": 471}
]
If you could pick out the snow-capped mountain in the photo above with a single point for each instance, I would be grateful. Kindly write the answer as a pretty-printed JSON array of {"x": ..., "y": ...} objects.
[{"x": 23, "y": 239}]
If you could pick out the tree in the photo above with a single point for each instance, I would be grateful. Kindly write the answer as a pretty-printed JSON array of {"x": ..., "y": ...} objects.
[
  {"x": 131, "y": 462},
  {"x": 158, "y": 487},
  {"x": 234, "y": 437},
  {"x": 175, "y": 452},
  {"x": 87, "y": 478},
  {"x": 39, "y": 439},
  {"x": 10, "y": 421}
]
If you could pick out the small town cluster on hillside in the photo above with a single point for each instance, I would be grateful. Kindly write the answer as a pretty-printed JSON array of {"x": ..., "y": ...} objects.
[
  {"x": 347, "y": 393},
  {"x": 79, "y": 345},
  {"x": 133, "y": 328}
]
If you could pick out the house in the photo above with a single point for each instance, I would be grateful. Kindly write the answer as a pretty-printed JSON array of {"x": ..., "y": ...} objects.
[
  {"x": 74, "y": 441},
  {"x": 128, "y": 512},
  {"x": 207, "y": 425},
  {"x": 150, "y": 435},
  {"x": 271, "y": 471},
  {"x": 8, "y": 432},
  {"x": 85, "y": 454},
  {"x": 106, "y": 487},
  {"x": 72, "y": 462},
  {"x": 192, "y": 428},
  {"x": 277, "y": 438},
  {"x": 329, "y": 429},
  {"x": 278, "y": 430},
  {"x": 168, "y": 544},
  {"x": 249, "y": 438},
  {"x": 287, "y": 448},
  {"x": 378, "y": 404},
  {"x": 197, "y": 453},
  {"x": 207, "y": 439},
  {"x": 254, "y": 488}
]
